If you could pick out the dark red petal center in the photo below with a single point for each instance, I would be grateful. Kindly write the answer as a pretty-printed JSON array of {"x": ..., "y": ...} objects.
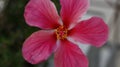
[{"x": 61, "y": 32}]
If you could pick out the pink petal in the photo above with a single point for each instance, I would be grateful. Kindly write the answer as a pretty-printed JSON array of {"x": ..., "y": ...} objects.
[
  {"x": 72, "y": 10},
  {"x": 42, "y": 14},
  {"x": 69, "y": 55},
  {"x": 93, "y": 31},
  {"x": 39, "y": 46}
]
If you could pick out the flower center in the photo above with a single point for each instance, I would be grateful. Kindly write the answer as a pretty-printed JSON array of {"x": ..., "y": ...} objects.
[{"x": 61, "y": 32}]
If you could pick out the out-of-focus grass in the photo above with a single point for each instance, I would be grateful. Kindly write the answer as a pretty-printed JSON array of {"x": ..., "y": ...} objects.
[{"x": 13, "y": 32}]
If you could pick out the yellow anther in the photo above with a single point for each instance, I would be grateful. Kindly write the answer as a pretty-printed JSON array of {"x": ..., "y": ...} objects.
[{"x": 61, "y": 32}]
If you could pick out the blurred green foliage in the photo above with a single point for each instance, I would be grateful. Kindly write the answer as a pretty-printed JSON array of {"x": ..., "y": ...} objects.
[{"x": 13, "y": 32}]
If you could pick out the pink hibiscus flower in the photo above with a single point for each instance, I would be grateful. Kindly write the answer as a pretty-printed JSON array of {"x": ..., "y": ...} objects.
[{"x": 58, "y": 30}]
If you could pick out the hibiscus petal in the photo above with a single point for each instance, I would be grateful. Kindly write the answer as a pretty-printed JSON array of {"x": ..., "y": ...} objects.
[
  {"x": 42, "y": 14},
  {"x": 72, "y": 10},
  {"x": 39, "y": 46},
  {"x": 93, "y": 31},
  {"x": 69, "y": 55}
]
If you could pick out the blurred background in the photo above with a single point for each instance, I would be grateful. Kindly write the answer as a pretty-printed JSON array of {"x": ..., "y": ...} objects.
[{"x": 14, "y": 30}]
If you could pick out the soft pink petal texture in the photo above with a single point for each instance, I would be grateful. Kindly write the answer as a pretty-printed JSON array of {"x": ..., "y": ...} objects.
[
  {"x": 42, "y": 14},
  {"x": 93, "y": 31},
  {"x": 72, "y": 10},
  {"x": 39, "y": 46},
  {"x": 69, "y": 55}
]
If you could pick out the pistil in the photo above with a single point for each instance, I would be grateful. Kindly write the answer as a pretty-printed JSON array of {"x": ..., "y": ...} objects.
[{"x": 61, "y": 32}]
